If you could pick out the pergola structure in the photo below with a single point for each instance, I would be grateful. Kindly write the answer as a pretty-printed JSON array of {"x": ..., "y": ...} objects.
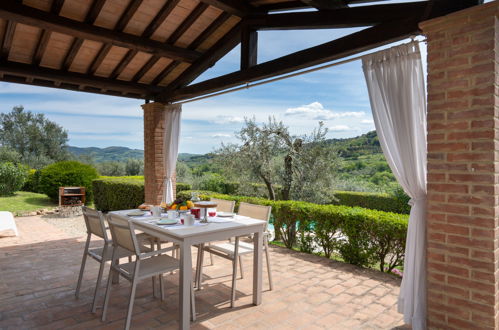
[{"x": 155, "y": 49}]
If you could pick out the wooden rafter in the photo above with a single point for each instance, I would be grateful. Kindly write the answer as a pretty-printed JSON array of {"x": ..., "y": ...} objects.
[
  {"x": 209, "y": 58},
  {"x": 249, "y": 48},
  {"x": 281, "y": 6},
  {"x": 233, "y": 7},
  {"x": 160, "y": 17},
  {"x": 338, "y": 18},
  {"x": 26, "y": 70},
  {"x": 92, "y": 14},
  {"x": 130, "y": 10},
  {"x": 31, "y": 16},
  {"x": 45, "y": 34},
  {"x": 7, "y": 39},
  {"x": 179, "y": 31},
  {"x": 221, "y": 19}
]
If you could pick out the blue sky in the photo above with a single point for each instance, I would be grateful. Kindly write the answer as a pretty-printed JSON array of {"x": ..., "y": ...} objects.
[{"x": 337, "y": 96}]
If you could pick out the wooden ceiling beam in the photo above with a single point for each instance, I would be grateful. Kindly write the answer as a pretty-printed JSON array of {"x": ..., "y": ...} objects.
[
  {"x": 26, "y": 70},
  {"x": 92, "y": 14},
  {"x": 8, "y": 36},
  {"x": 130, "y": 10},
  {"x": 209, "y": 58},
  {"x": 31, "y": 16},
  {"x": 233, "y": 7},
  {"x": 160, "y": 17},
  {"x": 352, "y": 44},
  {"x": 179, "y": 31},
  {"x": 221, "y": 19},
  {"x": 338, "y": 18},
  {"x": 249, "y": 48},
  {"x": 282, "y": 6},
  {"x": 45, "y": 34}
]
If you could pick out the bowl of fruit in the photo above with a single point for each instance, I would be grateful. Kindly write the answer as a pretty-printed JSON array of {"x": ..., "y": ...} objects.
[{"x": 181, "y": 205}]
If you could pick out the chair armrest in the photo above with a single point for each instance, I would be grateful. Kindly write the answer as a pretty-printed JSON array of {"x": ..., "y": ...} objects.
[{"x": 157, "y": 252}]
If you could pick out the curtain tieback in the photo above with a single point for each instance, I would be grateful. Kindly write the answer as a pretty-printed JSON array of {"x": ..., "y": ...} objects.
[{"x": 413, "y": 201}]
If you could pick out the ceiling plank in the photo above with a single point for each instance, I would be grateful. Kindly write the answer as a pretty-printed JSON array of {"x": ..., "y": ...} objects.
[
  {"x": 26, "y": 70},
  {"x": 352, "y": 44},
  {"x": 160, "y": 18},
  {"x": 338, "y": 18},
  {"x": 179, "y": 31},
  {"x": 92, "y": 14},
  {"x": 7, "y": 39},
  {"x": 31, "y": 16},
  {"x": 326, "y": 4},
  {"x": 122, "y": 23},
  {"x": 45, "y": 34},
  {"x": 233, "y": 7},
  {"x": 123, "y": 63}
]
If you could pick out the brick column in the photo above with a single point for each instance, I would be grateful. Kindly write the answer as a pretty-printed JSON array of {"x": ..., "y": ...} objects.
[
  {"x": 463, "y": 169},
  {"x": 154, "y": 171}
]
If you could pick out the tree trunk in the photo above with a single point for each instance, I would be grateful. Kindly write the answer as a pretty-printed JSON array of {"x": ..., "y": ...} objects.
[
  {"x": 269, "y": 187},
  {"x": 288, "y": 178}
]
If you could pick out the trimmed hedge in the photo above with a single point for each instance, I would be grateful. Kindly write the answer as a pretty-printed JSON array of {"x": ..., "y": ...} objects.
[
  {"x": 32, "y": 183},
  {"x": 122, "y": 192},
  {"x": 375, "y": 201},
  {"x": 12, "y": 177},
  {"x": 118, "y": 193},
  {"x": 360, "y": 236}
]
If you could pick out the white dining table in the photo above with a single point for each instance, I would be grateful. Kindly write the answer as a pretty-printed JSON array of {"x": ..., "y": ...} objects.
[{"x": 187, "y": 236}]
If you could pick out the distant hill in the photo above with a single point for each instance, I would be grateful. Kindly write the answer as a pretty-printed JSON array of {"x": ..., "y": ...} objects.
[
  {"x": 119, "y": 154},
  {"x": 365, "y": 144}
]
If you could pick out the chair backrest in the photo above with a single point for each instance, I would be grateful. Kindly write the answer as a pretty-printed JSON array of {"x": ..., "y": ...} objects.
[
  {"x": 224, "y": 205},
  {"x": 123, "y": 233},
  {"x": 94, "y": 220},
  {"x": 260, "y": 212}
]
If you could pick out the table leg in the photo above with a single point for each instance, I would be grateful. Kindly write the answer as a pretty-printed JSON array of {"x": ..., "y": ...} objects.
[
  {"x": 257, "y": 267},
  {"x": 185, "y": 285}
]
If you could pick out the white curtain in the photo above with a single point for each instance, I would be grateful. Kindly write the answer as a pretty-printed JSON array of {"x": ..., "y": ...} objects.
[
  {"x": 170, "y": 147},
  {"x": 398, "y": 100}
]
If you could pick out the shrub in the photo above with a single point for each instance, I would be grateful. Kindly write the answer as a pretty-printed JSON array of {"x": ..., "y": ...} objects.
[
  {"x": 118, "y": 193},
  {"x": 33, "y": 181},
  {"x": 361, "y": 236},
  {"x": 12, "y": 177},
  {"x": 396, "y": 202},
  {"x": 183, "y": 186},
  {"x": 67, "y": 173}
]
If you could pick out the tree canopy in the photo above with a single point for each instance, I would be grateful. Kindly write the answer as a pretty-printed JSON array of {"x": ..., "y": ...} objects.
[{"x": 38, "y": 140}]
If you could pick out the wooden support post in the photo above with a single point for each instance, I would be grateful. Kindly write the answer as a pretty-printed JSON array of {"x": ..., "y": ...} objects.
[{"x": 249, "y": 48}]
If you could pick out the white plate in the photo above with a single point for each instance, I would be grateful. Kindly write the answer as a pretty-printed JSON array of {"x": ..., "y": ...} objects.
[
  {"x": 225, "y": 214},
  {"x": 136, "y": 213},
  {"x": 167, "y": 222}
]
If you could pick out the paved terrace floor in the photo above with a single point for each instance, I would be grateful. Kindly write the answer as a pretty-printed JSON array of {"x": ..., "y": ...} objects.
[{"x": 38, "y": 273}]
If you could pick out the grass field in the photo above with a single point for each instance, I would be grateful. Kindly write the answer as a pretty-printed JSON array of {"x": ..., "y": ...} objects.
[{"x": 24, "y": 201}]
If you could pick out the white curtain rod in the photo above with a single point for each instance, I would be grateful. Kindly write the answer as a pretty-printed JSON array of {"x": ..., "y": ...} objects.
[{"x": 248, "y": 85}]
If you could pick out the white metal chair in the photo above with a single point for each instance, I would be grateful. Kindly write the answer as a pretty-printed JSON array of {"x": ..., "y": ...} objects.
[
  {"x": 95, "y": 223},
  {"x": 233, "y": 250},
  {"x": 7, "y": 222},
  {"x": 146, "y": 264}
]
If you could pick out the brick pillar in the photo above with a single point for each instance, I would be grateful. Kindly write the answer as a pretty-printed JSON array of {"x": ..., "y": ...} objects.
[
  {"x": 154, "y": 171},
  {"x": 463, "y": 169}
]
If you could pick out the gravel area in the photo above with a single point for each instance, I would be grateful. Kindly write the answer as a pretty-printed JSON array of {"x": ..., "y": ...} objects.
[{"x": 73, "y": 226}]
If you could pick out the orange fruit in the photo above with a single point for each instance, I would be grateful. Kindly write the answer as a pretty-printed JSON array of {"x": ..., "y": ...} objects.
[{"x": 183, "y": 208}]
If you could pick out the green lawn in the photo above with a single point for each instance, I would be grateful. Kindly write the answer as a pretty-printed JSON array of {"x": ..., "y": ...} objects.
[{"x": 24, "y": 201}]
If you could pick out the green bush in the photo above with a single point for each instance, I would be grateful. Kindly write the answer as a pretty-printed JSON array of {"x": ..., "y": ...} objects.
[
  {"x": 65, "y": 174},
  {"x": 361, "y": 236},
  {"x": 396, "y": 202},
  {"x": 32, "y": 183},
  {"x": 12, "y": 177},
  {"x": 112, "y": 194},
  {"x": 183, "y": 186}
]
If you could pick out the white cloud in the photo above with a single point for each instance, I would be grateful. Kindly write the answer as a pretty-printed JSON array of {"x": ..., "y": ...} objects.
[
  {"x": 367, "y": 121},
  {"x": 225, "y": 119},
  {"x": 316, "y": 111},
  {"x": 221, "y": 135},
  {"x": 341, "y": 128}
]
